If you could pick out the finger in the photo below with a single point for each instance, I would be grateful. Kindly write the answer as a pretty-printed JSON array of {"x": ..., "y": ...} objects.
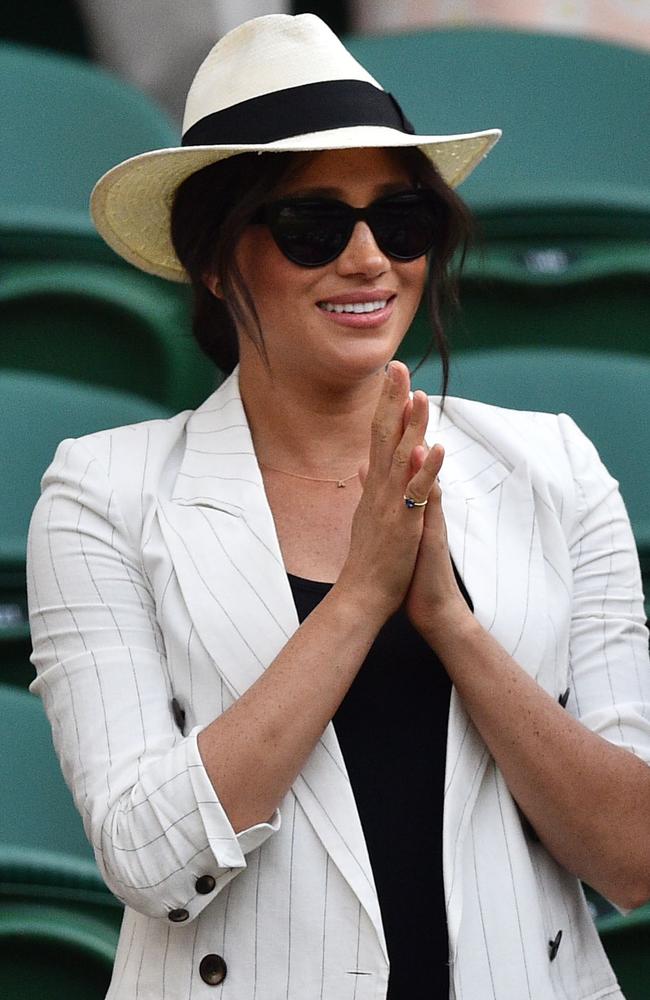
[
  {"x": 423, "y": 484},
  {"x": 406, "y": 414},
  {"x": 418, "y": 456},
  {"x": 412, "y": 437},
  {"x": 386, "y": 428}
]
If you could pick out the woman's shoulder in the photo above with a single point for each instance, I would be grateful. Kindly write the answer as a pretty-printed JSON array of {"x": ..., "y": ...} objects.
[
  {"x": 124, "y": 448},
  {"x": 459, "y": 405},
  {"x": 560, "y": 460},
  {"x": 500, "y": 428}
]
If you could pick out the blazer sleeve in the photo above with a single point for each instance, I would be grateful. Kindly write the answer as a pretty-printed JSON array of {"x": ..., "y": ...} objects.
[
  {"x": 609, "y": 670},
  {"x": 149, "y": 809}
]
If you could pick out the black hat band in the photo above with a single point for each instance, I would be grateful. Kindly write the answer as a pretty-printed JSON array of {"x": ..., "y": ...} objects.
[{"x": 312, "y": 107}]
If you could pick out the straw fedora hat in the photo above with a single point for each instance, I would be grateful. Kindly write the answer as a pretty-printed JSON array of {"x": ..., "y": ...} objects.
[{"x": 278, "y": 83}]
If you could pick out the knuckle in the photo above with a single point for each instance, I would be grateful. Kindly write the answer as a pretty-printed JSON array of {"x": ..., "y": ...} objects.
[{"x": 380, "y": 431}]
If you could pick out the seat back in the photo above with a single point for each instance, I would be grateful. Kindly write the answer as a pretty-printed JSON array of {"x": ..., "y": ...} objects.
[
  {"x": 54, "y": 26},
  {"x": 65, "y": 122},
  {"x": 111, "y": 326},
  {"x": 627, "y": 943},
  {"x": 569, "y": 293},
  {"x": 46, "y": 951},
  {"x": 38, "y": 810},
  {"x": 571, "y": 146}
]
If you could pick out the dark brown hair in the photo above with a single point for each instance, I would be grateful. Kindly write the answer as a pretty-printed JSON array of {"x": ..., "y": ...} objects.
[{"x": 214, "y": 205}]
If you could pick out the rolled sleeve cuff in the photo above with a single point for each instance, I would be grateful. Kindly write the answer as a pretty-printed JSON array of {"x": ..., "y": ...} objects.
[{"x": 229, "y": 848}]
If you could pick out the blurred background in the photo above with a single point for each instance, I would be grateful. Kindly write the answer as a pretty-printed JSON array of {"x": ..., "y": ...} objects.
[{"x": 555, "y": 314}]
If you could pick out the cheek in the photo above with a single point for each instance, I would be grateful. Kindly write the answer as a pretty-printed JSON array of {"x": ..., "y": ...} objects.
[
  {"x": 266, "y": 272},
  {"x": 413, "y": 276}
]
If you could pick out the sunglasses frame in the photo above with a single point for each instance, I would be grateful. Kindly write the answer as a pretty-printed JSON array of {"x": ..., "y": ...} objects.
[{"x": 270, "y": 215}]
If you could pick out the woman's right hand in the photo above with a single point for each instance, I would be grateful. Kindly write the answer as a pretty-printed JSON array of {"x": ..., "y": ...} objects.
[{"x": 385, "y": 533}]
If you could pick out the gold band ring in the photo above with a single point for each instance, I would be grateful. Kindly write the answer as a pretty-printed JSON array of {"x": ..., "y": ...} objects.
[{"x": 410, "y": 502}]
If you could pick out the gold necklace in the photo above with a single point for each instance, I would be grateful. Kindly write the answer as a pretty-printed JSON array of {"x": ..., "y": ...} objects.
[{"x": 312, "y": 479}]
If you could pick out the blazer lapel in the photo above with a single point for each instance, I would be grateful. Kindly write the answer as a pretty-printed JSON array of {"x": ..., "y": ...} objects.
[
  {"x": 221, "y": 537},
  {"x": 494, "y": 539}
]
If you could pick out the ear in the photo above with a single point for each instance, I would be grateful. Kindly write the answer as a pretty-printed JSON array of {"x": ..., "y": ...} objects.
[{"x": 213, "y": 284}]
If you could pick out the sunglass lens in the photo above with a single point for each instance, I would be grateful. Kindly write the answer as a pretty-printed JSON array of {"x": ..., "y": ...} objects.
[
  {"x": 310, "y": 233},
  {"x": 404, "y": 226}
]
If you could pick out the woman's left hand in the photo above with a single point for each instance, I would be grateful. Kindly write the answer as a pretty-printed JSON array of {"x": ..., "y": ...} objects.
[{"x": 434, "y": 600}]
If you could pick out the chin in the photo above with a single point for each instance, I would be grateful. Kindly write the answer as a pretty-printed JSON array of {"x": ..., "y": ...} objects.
[{"x": 355, "y": 368}]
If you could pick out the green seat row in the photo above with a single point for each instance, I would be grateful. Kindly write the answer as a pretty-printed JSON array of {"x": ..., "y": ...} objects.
[
  {"x": 66, "y": 122},
  {"x": 58, "y": 922},
  {"x": 572, "y": 160},
  {"x": 102, "y": 325}
]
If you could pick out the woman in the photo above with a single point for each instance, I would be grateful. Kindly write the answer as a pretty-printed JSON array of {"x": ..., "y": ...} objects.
[{"x": 209, "y": 592}]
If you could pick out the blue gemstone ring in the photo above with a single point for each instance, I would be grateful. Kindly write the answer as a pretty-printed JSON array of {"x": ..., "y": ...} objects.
[{"x": 410, "y": 502}]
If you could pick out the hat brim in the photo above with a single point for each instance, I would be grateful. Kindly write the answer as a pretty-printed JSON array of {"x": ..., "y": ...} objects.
[{"x": 131, "y": 204}]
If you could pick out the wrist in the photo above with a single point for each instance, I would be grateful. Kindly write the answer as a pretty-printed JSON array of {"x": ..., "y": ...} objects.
[
  {"x": 449, "y": 625},
  {"x": 369, "y": 608}
]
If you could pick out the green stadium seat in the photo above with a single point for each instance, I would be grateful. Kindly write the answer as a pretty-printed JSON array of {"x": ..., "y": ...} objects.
[
  {"x": 111, "y": 327},
  {"x": 571, "y": 149},
  {"x": 563, "y": 201},
  {"x": 37, "y": 412},
  {"x": 579, "y": 293},
  {"x": 65, "y": 123},
  {"x": 43, "y": 23},
  {"x": 46, "y": 951},
  {"x": 52, "y": 878},
  {"x": 627, "y": 943},
  {"x": 38, "y": 811},
  {"x": 58, "y": 922}
]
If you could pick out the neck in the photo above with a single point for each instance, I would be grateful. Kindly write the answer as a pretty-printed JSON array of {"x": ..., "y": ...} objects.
[{"x": 316, "y": 429}]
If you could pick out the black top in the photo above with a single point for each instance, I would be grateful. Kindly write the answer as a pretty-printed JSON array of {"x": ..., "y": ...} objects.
[{"x": 392, "y": 729}]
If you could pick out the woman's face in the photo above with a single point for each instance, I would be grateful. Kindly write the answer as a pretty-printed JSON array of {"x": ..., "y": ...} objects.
[{"x": 302, "y": 332}]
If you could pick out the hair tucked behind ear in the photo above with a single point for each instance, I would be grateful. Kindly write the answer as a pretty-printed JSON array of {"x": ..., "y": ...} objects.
[
  {"x": 210, "y": 211},
  {"x": 214, "y": 205}
]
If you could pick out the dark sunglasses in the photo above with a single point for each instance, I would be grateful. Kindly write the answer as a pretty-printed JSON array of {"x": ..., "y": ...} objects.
[{"x": 313, "y": 231}]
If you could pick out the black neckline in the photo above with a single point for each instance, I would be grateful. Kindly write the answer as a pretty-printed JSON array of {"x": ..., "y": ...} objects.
[{"x": 314, "y": 586}]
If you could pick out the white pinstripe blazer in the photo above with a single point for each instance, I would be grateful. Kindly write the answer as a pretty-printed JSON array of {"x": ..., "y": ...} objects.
[{"x": 155, "y": 574}]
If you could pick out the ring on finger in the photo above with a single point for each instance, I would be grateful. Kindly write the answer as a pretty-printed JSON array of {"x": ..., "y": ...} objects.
[{"x": 410, "y": 502}]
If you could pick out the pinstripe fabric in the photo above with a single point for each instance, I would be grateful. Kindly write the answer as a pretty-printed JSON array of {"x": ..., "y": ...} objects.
[{"x": 155, "y": 574}]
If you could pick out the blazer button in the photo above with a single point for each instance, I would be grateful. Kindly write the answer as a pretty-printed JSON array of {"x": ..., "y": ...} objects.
[
  {"x": 178, "y": 916},
  {"x": 554, "y": 945},
  {"x": 213, "y": 970},
  {"x": 205, "y": 884}
]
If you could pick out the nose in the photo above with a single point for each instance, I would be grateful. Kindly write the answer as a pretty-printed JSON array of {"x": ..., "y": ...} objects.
[{"x": 362, "y": 255}]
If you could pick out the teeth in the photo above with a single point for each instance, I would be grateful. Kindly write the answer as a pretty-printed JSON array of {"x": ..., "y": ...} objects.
[{"x": 354, "y": 307}]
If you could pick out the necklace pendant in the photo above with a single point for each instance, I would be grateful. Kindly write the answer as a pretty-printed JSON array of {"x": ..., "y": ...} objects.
[{"x": 341, "y": 484}]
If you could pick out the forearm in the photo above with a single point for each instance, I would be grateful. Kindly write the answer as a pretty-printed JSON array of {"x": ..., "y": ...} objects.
[
  {"x": 254, "y": 751},
  {"x": 588, "y": 800}
]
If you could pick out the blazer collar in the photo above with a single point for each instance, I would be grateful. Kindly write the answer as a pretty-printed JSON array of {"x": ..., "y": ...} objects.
[{"x": 219, "y": 467}]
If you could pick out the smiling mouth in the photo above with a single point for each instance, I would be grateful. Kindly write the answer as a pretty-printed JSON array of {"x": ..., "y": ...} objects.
[{"x": 374, "y": 305}]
